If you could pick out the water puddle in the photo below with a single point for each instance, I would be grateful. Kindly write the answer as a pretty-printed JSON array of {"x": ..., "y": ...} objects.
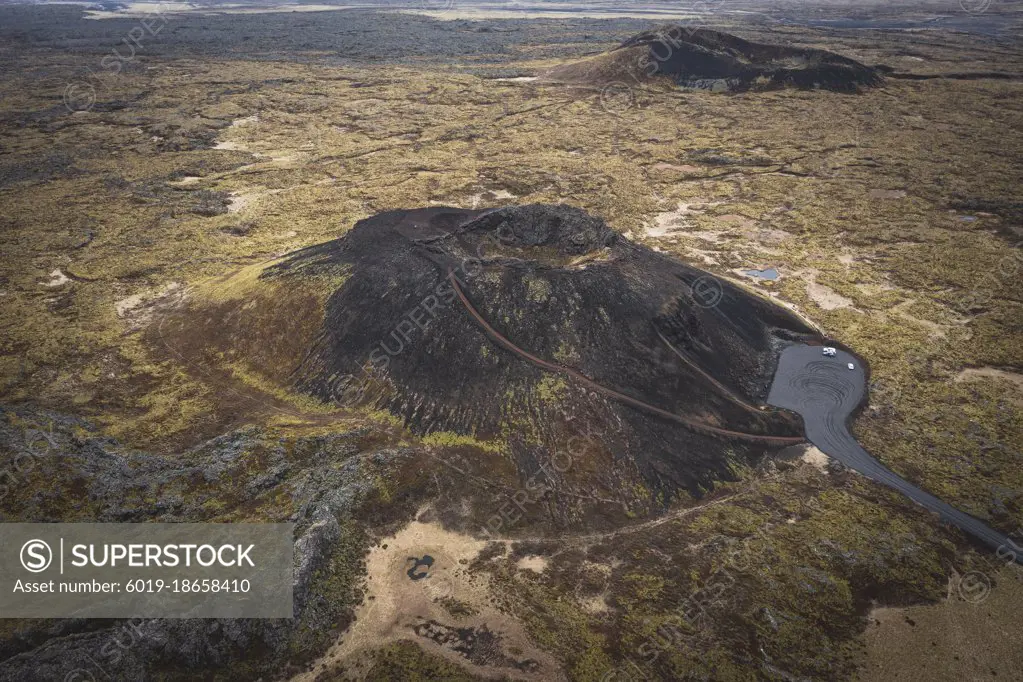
[
  {"x": 426, "y": 562},
  {"x": 768, "y": 274}
]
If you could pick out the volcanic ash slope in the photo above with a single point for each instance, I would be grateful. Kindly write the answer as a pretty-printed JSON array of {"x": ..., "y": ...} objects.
[{"x": 524, "y": 328}]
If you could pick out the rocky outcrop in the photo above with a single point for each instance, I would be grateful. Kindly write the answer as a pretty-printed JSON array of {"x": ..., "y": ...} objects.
[{"x": 323, "y": 479}]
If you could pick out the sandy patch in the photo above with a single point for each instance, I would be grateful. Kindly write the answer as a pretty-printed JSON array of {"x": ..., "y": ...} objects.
[
  {"x": 234, "y": 145},
  {"x": 244, "y": 121},
  {"x": 814, "y": 457},
  {"x": 287, "y": 160},
  {"x": 397, "y": 607},
  {"x": 489, "y": 196},
  {"x": 827, "y": 298},
  {"x": 138, "y": 309},
  {"x": 934, "y": 329},
  {"x": 57, "y": 278},
  {"x": 536, "y": 564},
  {"x": 139, "y": 9},
  {"x": 670, "y": 222},
  {"x": 887, "y": 193},
  {"x": 231, "y": 146},
  {"x": 240, "y": 201}
]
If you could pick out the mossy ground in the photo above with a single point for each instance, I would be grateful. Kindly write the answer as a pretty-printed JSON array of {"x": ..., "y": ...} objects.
[{"x": 857, "y": 194}]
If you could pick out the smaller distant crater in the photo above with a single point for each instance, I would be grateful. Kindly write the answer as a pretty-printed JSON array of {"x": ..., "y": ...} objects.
[{"x": 712, "y": 60}]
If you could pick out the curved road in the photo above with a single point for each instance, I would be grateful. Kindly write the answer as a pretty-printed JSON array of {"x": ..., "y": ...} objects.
[{"x": 825, "y": 392}]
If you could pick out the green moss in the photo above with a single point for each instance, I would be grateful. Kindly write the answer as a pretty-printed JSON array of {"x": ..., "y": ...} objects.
[
  {"x": 300, "y": 401},
  {"x": 538, "y": 289},
  {"x": 405, "y": 661},
  {"x": 449, "y": 439},
  {"x": 645, "y": 587},
  {"x": 551, "y": 389},
  {"x": 561, "y": 627}
]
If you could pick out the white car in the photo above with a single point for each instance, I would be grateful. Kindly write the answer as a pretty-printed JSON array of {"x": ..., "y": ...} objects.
[{"x": 829, "y": 351}]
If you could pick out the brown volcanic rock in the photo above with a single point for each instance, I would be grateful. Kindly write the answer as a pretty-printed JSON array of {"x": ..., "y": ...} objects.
[{"x": 708, "y": 59}]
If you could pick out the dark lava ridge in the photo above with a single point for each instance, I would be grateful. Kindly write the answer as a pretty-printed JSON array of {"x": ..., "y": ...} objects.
[{"x": 713, "y": 60}]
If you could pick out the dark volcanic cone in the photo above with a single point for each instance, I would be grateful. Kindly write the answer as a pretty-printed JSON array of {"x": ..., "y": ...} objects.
[
  {"x": 707, "y": 59},
  {"x": 529, "y": 327}
]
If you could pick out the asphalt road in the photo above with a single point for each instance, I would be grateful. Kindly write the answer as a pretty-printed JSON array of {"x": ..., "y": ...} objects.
[{"x": 825, "y": 392}]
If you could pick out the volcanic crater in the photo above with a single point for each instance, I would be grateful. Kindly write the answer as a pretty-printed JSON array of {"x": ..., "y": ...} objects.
[{"x": 522, "y": 329}]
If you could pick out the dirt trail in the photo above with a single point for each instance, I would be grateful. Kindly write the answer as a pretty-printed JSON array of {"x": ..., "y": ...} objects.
[{"x": 594, "y": 386}]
